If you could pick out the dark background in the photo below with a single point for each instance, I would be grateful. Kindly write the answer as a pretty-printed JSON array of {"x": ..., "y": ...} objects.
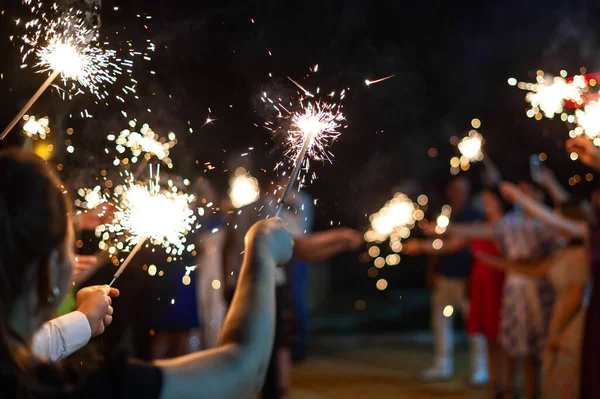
[{"x": 452, "y": 62}]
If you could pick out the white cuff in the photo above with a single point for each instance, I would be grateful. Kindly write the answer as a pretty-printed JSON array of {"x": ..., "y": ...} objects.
[
  {"x": 76, "y": 331},
  {"x": 62, "y": 336}
]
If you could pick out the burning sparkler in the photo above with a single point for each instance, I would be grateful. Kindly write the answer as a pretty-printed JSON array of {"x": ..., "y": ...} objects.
[
  {"x": 394, "y": 220},
  {"x": 314, "y": 126},
  {"x": 145, "y": 141},
  {"x": 588, "y": 121},
  {"x": 148, "y": 213},
  {"x": 243, "y": 189},
  {"x": 92, "y": 198},
  {"x": 36, "y": 127},
  {"x": 66, "y": 46},
  {"x": 443, "y": 220},
  {"x": 548, "y": 95},
  {"x": 470, "y": 147}
]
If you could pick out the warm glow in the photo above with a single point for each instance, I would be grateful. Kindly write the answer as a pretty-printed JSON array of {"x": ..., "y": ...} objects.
[{"x": 243, "y": 189}]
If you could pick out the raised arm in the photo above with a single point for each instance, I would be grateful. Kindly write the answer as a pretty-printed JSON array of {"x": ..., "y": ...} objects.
[
  {"x": 450, "y": 245},
  {"x": 237, "y": 368},
  {"x": 586, "y": 151},
  {"x": 554, "y": 189},
  {"x": 533, "y": 269},
  {"x": 471, "y": 231},
  {"x": 325, "y": 244},
  {"x": 546, "y": 215},
  {"x": 211, "y": 301}
]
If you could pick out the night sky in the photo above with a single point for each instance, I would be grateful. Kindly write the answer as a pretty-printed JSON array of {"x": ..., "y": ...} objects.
[{"x": 452, "y": 62}]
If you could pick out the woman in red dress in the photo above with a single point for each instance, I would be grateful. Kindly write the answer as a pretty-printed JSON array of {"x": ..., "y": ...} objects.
[{"x": 485, "y": 296}]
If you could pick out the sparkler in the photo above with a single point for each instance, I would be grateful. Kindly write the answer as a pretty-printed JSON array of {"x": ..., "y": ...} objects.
[
  {"x": 145, "y": 141},
  {"x": 92, "y": 198},
  {"x": 66, "y": 46},
  {"x": 149, "y": 213},
  {"x": 36, "y": 127},
  {"x": 313, "y": 128},
  {"x": 372, "y": 82},
  {"x": 243, "y": 189},
  {"x": 548, "y": 95},
  {"x": 588, "y": 121},
  {"x": 443, "y": 220},
  {"x": 394, "y": 220}
]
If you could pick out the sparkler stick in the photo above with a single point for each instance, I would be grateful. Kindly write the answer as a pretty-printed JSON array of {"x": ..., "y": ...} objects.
[
  {"x": 142, "y": 165},
  {"x": 31, "y": 101},
  {"x": 294, "y": 174},
  {"x": 124, "y": 265}
]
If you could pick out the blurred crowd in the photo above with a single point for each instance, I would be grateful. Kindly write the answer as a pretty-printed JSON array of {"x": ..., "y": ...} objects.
[{"x": 518, "y": 261}]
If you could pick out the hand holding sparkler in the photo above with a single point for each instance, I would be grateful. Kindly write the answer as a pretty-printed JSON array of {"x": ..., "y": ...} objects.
[
  {"x": 271, "y": 239},
  {"x": 583, "y": 149}
]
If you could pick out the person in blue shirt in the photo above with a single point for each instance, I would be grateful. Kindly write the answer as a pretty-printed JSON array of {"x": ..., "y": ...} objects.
[{"x": 448, "y": 275}]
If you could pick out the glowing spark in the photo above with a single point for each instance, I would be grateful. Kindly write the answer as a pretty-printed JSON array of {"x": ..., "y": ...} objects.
[
  {"x": 243, "y": 189},
  {"x": 317, "y": 122},
  {"x": 372, "y": 82},
  {"x": 68, "y": 42},
  {"x": 443, "y": 220},
  {"x": 548, "y": 95},
  {"x": 145, "y": 211},
  {"x": 306, "y": 92},
  {"x": 470, "y": 147},
  {"x": 588, "y": 120},
  {"x": 92, "y": 197},
  {"x": 36, "y": 127},
  {"x": 394, "y": 220},
  {"x": 145, "y": 141}
]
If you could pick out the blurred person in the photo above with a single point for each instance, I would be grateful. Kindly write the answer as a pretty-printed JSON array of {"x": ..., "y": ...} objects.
[
  {"x": 568, "y": 270},
  {"x": 527, "y": 301},
  {"x": 35, "y": 264},
  {"x": 309, "y": 247},
  {"x": 210, "y": 284},
  {"x": 590, "y": 232},
  {"x": 485, "y": 286},
  {"x": 448, "y": 275}
]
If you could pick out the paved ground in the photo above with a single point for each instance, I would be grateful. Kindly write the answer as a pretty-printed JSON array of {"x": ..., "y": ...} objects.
[{"x": 376, "y": 367}]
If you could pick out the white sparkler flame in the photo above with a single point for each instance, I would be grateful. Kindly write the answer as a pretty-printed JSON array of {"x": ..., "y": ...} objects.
[
  {"x": 243, "y": 189},
  {"x": 588, "y": 120},
  {"x": 470, "y": 147},
  {"x": 36, "y": 127},
  {"x": 146, "y": 211},
  {"x": 394, "y": 220}
]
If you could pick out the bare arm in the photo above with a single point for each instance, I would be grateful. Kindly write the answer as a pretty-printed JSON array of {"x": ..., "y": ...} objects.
[
  {"x": 325, "y": 244},
  {"x": 533, "y": 269},
  {"x": 542, "y": 212},
  {"x": 566, "y": 309},
  {"x": 211, "y": 301},
  {"x": 237, "y": 368},
  {"x": 556, "y": 191},
  {"x": 450, "y": 246},
  {"x": 470, "y": 231}
]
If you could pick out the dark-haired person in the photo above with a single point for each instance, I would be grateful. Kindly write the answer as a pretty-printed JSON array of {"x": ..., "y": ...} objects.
[{"x": 35, "y": 270}]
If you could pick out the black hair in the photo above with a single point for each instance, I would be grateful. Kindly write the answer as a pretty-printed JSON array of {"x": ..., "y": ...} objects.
[
  {"x": 33, "y": 224},
  {"x": 578, "y": 209},
  {"x": 506, "y": 206}
]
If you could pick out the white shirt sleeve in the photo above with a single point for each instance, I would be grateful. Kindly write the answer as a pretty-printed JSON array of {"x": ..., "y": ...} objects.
[{"x": 61, "y": 337}]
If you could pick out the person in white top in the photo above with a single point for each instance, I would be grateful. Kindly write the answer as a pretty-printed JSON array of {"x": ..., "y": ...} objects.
[{"x": 63, "y": 336}]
